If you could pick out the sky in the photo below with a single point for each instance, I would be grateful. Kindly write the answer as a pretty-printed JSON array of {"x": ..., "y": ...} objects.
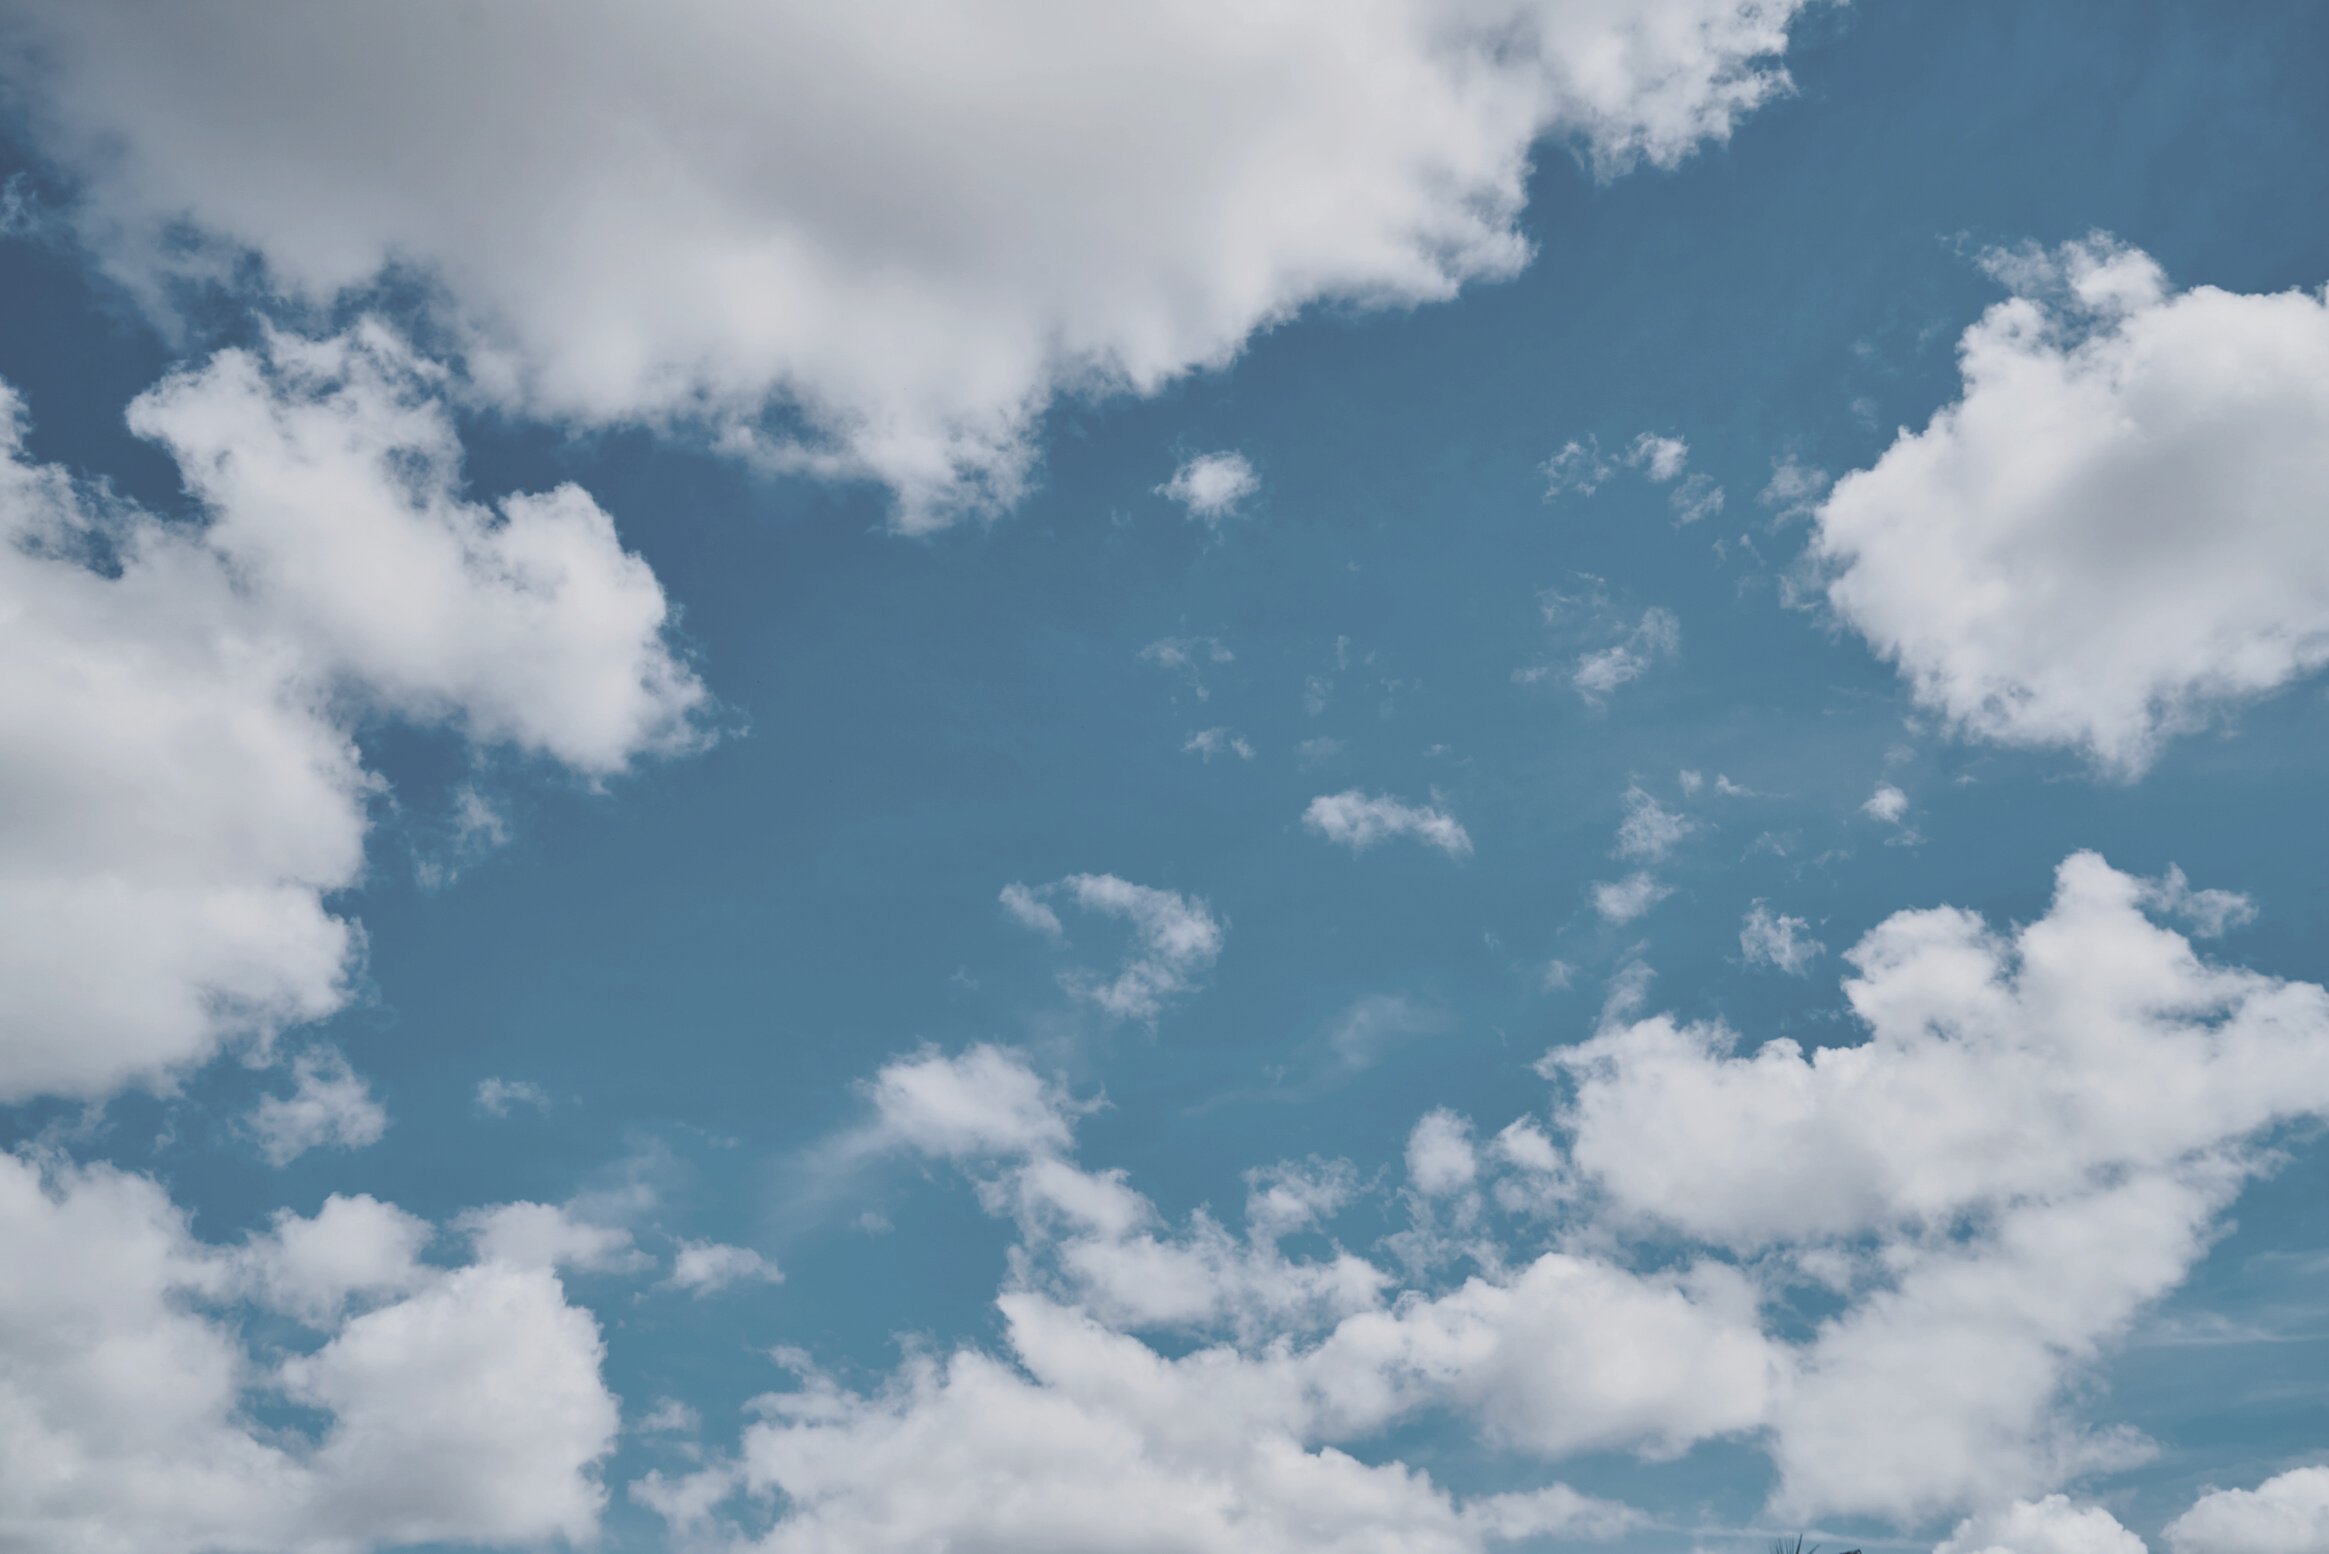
[{"x": 1403, "y": 777}]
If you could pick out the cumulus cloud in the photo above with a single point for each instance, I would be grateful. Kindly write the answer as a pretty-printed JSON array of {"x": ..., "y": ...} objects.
[
  {"x": 1887, "y": 804},
  {"x": 1776, "y": 940},
  {"x": 1175, "y": 939},
  {"x": 705, "y": 1267},
  {"x": 2036, "y": 1140},
  {"x": 2042, "y": 1129},
  {"x": 329, "y": 1105},
  {"x": 2050, "y": 1526},
  {"x": 457, "y": 1405},
  {"x": 984, "y": 1102},
  {"x": 176, "y": 719},
  {"x": 1211, "y": 486},
  {"x": 813, "y": 234},
  {"x": 548, "y": 1236},
  {"x": 1105, "y": 1446},
  {"x": 310, "y": 1267},
  {"x": 2113, "y": 534},
  {"x": 1360, "y": 820},
  {"x": 2284, "y": 1515}
]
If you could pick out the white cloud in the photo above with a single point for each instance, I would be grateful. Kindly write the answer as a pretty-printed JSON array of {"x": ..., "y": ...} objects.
[
  {"x": 1028, "y": 911},
  {"x": 2037, "y": 1139},
  {"x": 499, "y": 1097},
  {"x": 468, "y": 1408},
  {"x": 1210, "y": 742},
  {"x": 1794, "y": 489},
  {"x": 1776, "y": 940},
  {"x": 708, "y": 215},
  {"x": 1695, "y": 498},
  {"x": 2284, "y": 1515},
  {"x": 669, "y": 1416},
  {"x": 1649, "y": 830},
  {"x": 1887, "y": 804},
  {"x": 2049, "y": 1526},
  {"x": 185, "y": 792},
  {"x": 476, "y": 830},
  {"x": 330, "y": 1105},
  {"x": 468, "y": 1412},
  {"x": 1655, "y": 639},
  {"x": 985, "y": 1102},
  {"x": 2042, "y": 1130},
  {"x": 1621, "y": 901},
  {"x": 1579, "y": 466},
  {"x": 1440, "y": 1156},
  {"x": 548, "y": 1236},
  {"x": 2210, "y": 914},
  {"x": 1175, "y": 939},
  {"x": 1998, "y": 1067},
  {"x": 705, "y": 1267},
  {"x": 1660, "y": 458},
  {"x": 1096, "y": 1443},
  {"x": 1211, "y": 486},
  {"x": 309, "y": 1268},
  {"x": 2113, "y": 534},
  {"x": 1360, "y": 820}
]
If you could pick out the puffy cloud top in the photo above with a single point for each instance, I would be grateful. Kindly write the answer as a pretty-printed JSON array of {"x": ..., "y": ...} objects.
[{"x": 2116, "y": 530}]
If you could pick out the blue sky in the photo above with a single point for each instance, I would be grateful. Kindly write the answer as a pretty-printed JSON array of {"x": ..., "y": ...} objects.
[{"x": 1045, "y": 782}]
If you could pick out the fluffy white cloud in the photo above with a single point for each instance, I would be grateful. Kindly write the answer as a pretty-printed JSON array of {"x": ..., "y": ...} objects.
[
  {"x": 1211, "y": 486},
  {"x": 1440, "y": 1157},
  {"x": 1887, "y": 803},
  {"x": 329, "y": 1105},
  {"x": 724, "y": 210},
  {"x": 332, "y": 474},
  {"x": 1567, "y": 1354},
  {"x": 2041, "y": 1131},
  {"x": 1175, "y": 939},
  {"x": 2049, "y": 1526},
  {"x": 309, "y": 1267},
  {"x": 1096, "y": 1443},
  {"x": 705, "y": 1267},
  {"x": 549, "y": 1236},
  {"x": 985, "y": 1102},
  {"x": 2037, "y": 1139},
  {"x": 468, "y": 1408},
  {"x": 183, "y": 792},
  {"x": 471, "y": 1412},
  {"x": 2089, "y": 1042},
  {"x": 2114, "y": 532},
  {"x": 1360, "y": 820},
  {"x": 1779, "y": 941},
  {"x": 1946, "y": 1389},
  {"x": 2284, "y": 1515}
]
